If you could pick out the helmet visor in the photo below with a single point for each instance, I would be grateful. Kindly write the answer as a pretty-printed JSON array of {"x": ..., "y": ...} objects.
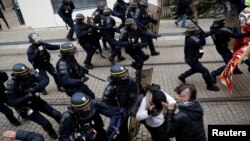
[{"x": 86, "y": 112}]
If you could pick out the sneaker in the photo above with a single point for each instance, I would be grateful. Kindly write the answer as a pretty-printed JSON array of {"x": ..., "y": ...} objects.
[
  {"x": 155, "y": 53},
  {"x": 182, "y": 79},
  {"x": 61, "y": 89},
  {"x": 237, "y": 71},
  {"x": 213, "y": 88},
  {"x": 121, "y": 58}
]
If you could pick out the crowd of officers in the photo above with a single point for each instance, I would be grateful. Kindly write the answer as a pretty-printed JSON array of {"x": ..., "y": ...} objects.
[{"x": 124, "y": 96}]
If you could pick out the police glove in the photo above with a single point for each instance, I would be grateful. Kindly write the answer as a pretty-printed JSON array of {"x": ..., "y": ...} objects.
[
  {"x": 32, "y": 90},
  {"x": 84, "y": 79}
]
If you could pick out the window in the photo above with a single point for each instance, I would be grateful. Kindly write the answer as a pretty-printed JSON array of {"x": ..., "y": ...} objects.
[{"x": 79, "y": 4}]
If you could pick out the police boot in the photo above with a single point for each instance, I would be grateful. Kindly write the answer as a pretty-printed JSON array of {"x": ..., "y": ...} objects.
[
  {"x": 146, "y": 57},
  {"x": 44, "y": 92},
  {"x": 89, "y": 66},
  {"x": 209, "y": 81},
  {"x": 186, "y": 74},
  {"x": 121, "y": 58},
  {"x": 12, "y": 119},
  {"x": 49, "y": 129},
  {"x": 111, "y": 60},
  {"x": 237, "y": 71},
  {"x": 155, "y": 53}
]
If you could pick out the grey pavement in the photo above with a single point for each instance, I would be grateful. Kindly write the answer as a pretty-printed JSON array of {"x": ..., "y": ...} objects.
[{"x": 220, "y": 107}]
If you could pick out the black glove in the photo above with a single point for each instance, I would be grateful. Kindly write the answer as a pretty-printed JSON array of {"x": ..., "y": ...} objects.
[
  {"x": 32, "y": 90},
  {"x": 84, "y": 79}
]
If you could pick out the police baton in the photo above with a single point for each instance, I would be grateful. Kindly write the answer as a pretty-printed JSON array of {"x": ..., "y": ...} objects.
[
  {"x": 197, "y": 25},
  {"x": 96, "y": 77}
]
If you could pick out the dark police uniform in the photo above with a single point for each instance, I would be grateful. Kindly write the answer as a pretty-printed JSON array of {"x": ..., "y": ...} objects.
[
  {"x": 85, "y": 35},
  {"x": 71, "y": 72},
  {"x": 4, "y": 101},
  {"x": 39, "y": 57},
  {"x": 193, "y": 51},
  {"x": 119, "y": 10},
  {"x": 142, "y": 20},
  {"x": 121, "y": 92},
  {"x": 22, "y": 90},
  {"x": 65, "y": 12},
  {"x": 82, "y": 122}
]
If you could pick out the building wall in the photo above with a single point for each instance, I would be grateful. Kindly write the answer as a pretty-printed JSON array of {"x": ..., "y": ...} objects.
[{"x": 40, "y": 13}]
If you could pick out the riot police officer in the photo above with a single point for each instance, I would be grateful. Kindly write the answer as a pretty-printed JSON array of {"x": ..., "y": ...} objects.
[
  {"x": 193, "y": 50},
  {"x": 221, "y": 36},
  {"x": 82, "y": 122},
  {"x": 119, "y": 10},
  {"x": 65, "y": 12},
  {"x": 97, "y": 16},
  {"x": 71, "y": 73},
  {"x": 121, "y": 92},
  {"x": 39, "y": 57},
  {"x": 108, "y": 31},
  {"x": 23, "y": 91},
  {"x": 84, "y": 33},
  {"x": 4, "y": 101},
  {"x": 142, "y": 20},
  {"x": 129, "y": 40},
  {"x": 131, "y": 10}
]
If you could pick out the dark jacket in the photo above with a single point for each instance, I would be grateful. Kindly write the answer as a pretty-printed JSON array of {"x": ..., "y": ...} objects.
[
  {"x": 70, "y": 124},
  {"x": 65, "y": 11},
  {"x": 28, "y": 136},
  {"x": 16, "y": 91},
  {"x": 143, "y": 19},
  {"x": 187, "y": 124},
  {"x": 85, "y": 32},
  {"x": 38, "y": 55},
  {"x": 120, "y": 8}
]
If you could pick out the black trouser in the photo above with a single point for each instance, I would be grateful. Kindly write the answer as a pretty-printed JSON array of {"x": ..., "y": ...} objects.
[
  {"x": 116, "y": 51},
  {"x": 147, "y": 37},
  {"x": 69, "y": 21},
  {"x": 7, "y": 112},
  {"x": 52, "y": 71},
  {"x": 139, "y": 56},
  {"x": 197, "y": 67},
  {"x": 158, "y": 133},
  {"x": 38, "y": 106},
  {"x": 90, "y": 50}
]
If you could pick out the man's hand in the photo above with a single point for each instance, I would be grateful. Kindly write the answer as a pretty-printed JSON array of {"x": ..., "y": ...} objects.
[
  {"x": 11, "y": 135},
  {"x": 170, "y": 107}
]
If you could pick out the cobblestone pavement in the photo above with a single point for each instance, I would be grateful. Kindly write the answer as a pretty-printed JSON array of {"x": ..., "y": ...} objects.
[{"x": 220, "y": 107}]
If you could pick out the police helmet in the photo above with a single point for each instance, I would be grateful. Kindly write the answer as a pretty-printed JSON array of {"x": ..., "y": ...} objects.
[
  {"x": 107, "y": 11},
  {"x": 129, "y": 21},
  {"x": 219, "y": 20},
  {"x": 79, "y": 17},
  {"x": 101, "y": 5},
  {"x": 68, "y": 49},
  {"x": 82, "y": 105},
  {"x": 34, "y": 37},
  {"x": 20, "y": 72},
  {"x": 191, "y": 28},
  {"x": 119, "y": 74}
]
